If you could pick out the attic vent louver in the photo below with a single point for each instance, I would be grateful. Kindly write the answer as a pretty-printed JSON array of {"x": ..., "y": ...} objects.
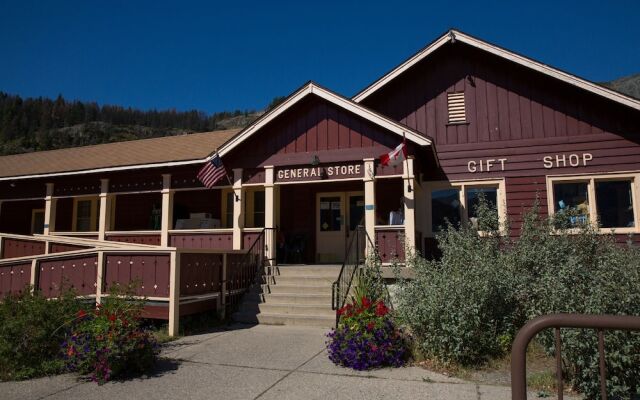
[{"x": 455, "y": 104}]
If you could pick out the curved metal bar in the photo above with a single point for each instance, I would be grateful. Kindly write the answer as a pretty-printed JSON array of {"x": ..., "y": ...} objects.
[{"x": 536, "y": 325}]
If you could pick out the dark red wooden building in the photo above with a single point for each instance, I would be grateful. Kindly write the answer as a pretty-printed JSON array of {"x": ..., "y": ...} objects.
[{"x": 477, "y": 119}]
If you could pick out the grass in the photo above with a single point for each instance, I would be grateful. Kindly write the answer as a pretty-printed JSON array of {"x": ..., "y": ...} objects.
[{"x": 540, "y": 370}]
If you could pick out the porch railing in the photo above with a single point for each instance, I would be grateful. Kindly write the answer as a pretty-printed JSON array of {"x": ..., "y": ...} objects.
[
  {"x": 245, "y": 269},
  {"x": 599, "y": 323}
]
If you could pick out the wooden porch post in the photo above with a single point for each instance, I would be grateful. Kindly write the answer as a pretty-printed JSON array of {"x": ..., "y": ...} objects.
[
  {"x": 270, "y": 214},
  {"x": 49, "y": 211},
  {"x": 174, "y": 294},
  {"x": 105, "y": 209},
  {"x": 409, "y": 183},
  {"x": 238, "y": 209},
  {"x": 100, "y": 276},
  {"x": 167, "y": 210},
  {"x": 369, "y": 201},
  {"x": 34, "y": 275}
]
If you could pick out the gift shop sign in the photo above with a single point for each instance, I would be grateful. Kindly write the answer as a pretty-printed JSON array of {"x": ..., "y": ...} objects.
[
  {"x": 320, "y": 172},
  {"x": 550, "y": 161}
]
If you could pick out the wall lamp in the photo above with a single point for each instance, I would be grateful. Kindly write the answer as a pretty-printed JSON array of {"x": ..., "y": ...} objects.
[
  {"x": 315, "y": 161},
  {"x": 237, "y": 197},
  {"x": 409, "y": 188}
]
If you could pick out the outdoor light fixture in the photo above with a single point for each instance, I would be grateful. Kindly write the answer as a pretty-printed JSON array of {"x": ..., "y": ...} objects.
[
  {"x": 409, "y": 188},
  {"x": 315, "y": 161},
  {"x": 237, "y": 197}
]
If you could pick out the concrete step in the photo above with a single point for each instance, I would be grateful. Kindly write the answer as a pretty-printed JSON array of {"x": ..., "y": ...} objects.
[
  {"x": 287, "y": 308},
  {"x": 284, "y": 319},
  {"x": 289, "y": 298},
  {"x": 293, "y": 280},
  {"x": 331, "y": 272},
  {"x": 297, "y": 289}
]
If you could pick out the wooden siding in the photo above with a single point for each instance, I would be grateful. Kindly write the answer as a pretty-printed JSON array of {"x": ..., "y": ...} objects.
[
  {"x": 504, "y": 101},
  {"x": 150, "y": 271},
  {"x": 15, "y": 216},
  {"x": 61, "y": 247},
  {"x": 218, "y": 241},
  {"x": 313, "y": 127},
  {"x": 390, "y": 244},
  {"x": 12, "y": 248},
  {"x": 14, "y": 278},
  {"x": 77, "y": 273},
  {"x": 151, "y": 239},
  {"x": 200, "y": 273},
  {"x": 513, "y": 113},
  {"x": 133, "y": 211}
]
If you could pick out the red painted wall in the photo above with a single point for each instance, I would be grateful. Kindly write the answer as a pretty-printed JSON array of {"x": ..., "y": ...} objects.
[
  {"x": 15, "y": 216},
  {"x": 310, "y": 127},
  {"x": 133, "y": 212},
  {"x": 513, "y": 113}
]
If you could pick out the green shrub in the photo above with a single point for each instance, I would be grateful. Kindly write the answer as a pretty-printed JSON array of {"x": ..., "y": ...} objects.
[
  {"x": 462, "y": 306},
  {"x": 108, "y": 342},
  {"x": 467, "y": 306},
  {"x": 30, "y": 336}
]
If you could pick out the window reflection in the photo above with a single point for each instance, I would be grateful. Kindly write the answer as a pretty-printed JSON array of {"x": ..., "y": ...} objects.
[
  {"x": 615, "y": 204},
  {"x": 445, "y": 206},
  {"x": 572, "y": 197}
]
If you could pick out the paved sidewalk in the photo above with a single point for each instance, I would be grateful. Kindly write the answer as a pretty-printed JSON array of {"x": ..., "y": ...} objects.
[{"x": 258, "y": 362}]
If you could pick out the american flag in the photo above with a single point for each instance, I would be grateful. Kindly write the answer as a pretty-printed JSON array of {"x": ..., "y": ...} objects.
[{"x": 212, "y": 171}]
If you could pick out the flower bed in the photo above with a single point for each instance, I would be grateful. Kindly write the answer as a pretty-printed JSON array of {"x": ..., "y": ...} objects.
[
  {"x": 108, "y": 342},
  {"x": 366, "y": 337}
]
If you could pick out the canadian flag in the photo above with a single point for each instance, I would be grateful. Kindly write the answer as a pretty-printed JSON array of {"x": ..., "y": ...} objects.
[{"x": 395, "y": 156}]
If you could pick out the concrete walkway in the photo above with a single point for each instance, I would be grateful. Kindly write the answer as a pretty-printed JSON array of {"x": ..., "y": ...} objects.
[{"x": 258, "y": 362}]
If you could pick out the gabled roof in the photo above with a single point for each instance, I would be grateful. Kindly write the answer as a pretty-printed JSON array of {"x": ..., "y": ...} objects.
[
  {"x": 146, "y": 153},
  {"x": 454, "y": 35},
  {"x": 312, "y": 88}
]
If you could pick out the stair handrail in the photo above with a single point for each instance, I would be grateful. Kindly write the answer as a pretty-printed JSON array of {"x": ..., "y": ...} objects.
[
  {"x": 258, "y": 248},
  {"x": 339, "y": 294}
]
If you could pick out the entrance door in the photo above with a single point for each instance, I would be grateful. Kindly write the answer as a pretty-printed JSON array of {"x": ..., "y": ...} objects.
[{"x": 337, "y": 215}]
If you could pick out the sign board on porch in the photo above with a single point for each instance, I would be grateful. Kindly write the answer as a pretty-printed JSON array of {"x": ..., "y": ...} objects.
[{"x": 320, "y": 172}]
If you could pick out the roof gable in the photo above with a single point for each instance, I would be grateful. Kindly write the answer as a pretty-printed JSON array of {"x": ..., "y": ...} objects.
[
  {"x": 454, "y": 35},
  {"x": 331, "y": 97}
]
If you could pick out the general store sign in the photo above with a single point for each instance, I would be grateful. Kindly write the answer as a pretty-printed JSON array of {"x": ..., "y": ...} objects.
[{"x": 320, "y": 172}]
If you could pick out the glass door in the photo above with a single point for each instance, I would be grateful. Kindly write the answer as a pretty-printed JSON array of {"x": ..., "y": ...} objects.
[{"x": 330, "y": 227}]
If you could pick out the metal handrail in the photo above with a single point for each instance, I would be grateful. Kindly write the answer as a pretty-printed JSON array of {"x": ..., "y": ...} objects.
[
  {"x": 339, "y": 292},
  {"x": 557, "y": 321},
  {"x": 259, "y": 248}
]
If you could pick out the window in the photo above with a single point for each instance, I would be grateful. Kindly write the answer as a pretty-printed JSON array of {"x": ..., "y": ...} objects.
[
  {"x": 607, "y": 201},
  {"x": 86, "y": 211},
  {"x": 456, "y": 108},
  {"x": 572, "y": 197},
  {"x": 258, "y": 209},
  {"x": 228, "y": 211},
  {"x": 445, "y": 206},
  {"x": 457, "y": 202},
  {"x": 37, "y": 221},
  {"x": 330, "y": 214},
  {"x": 614, "y": 201}
]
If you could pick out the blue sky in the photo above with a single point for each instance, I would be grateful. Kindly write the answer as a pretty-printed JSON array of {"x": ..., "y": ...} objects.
[{"x": 240, "y": 54}]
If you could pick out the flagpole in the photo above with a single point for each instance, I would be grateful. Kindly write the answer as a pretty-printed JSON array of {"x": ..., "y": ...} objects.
[{"x": 406, "y": 160}]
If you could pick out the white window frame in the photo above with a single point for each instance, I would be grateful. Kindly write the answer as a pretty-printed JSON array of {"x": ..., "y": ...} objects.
[
  {"x": 590, "y": 180},
  {"x": 462, "y": 187}
]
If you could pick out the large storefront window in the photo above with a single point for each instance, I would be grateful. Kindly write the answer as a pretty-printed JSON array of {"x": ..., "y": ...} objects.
[
  {"x": 605, "y": 201},
  {"x": 614, "y": 200},
  {"x": 572, "y": 197},
  {"x": 445, "y": 206},
  {"x": 457, "y": 202}
]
